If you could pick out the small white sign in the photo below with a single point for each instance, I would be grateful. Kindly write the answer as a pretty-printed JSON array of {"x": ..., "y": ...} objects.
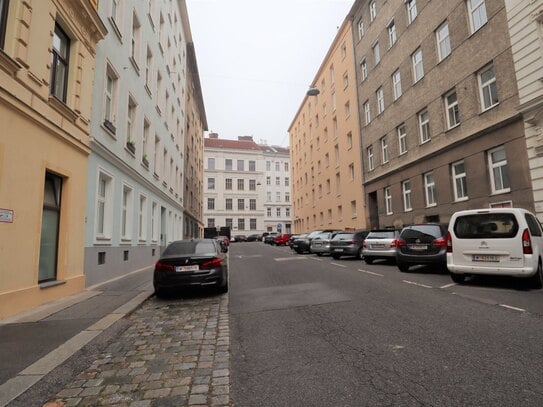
[{"x": 6, "y": 215}]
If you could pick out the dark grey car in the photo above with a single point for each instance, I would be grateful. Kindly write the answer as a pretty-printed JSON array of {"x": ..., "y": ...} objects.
[
  {"x": 422, "y": 244},
  {"x": 348, "y": 244}
]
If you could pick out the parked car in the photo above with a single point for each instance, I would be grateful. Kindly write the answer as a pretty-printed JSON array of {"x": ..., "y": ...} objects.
[
  {"x": 380, "y": 244},
  {"x": 240, "y": 238},
  {"x": 303, "y": 243},
  {"x": 348, "y": 244},
  {"x": 321, "y": 243},
  {"x": 254, "y": 238},
  {"x": 223, "y": 240},
  {"x": 293, "y": 240},
  {"x": 422, "y": 244},
  {"x": 268, "y": 239},
  {"x": 190, "y": 263},
  {"x": 282, "y": 240},
  {"x": 498, "y": 241}
]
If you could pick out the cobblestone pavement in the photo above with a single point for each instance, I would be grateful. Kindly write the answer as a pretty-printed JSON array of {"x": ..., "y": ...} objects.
[{"x": 176, "y": 352}]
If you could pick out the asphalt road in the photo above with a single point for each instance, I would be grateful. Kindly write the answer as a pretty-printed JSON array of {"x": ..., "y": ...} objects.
[{"x": 314, "y": 331}]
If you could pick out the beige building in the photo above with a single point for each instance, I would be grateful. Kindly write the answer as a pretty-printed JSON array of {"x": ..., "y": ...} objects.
[
  {"x": 438, "y": 103},
  {"x": 47, "y": 52},
  {"x": 325, "y": 146}
]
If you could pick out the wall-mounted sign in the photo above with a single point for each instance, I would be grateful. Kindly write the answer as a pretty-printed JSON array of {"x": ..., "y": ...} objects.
[{"x": 6, "y": 215}]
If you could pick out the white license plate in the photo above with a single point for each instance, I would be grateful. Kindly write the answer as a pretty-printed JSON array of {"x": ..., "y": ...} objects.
[
  {"x": 377, "y": 246},
  {"x": 418, "y": 247},
  {"x": 338, "y": 250},
  {"x": 181, "y": 269},
  {"x": 485, "y": 258}
]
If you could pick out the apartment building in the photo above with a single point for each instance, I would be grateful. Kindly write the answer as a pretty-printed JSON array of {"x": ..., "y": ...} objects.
[
  {"x": 439, "y": 122},
  {"x": 525, "y": 20},
  {"x": 135, "y": 195},
  {"x": 325, "y": 145},
  {"x": 277, "y": 205},
  {"x": 47, "y": 53}
]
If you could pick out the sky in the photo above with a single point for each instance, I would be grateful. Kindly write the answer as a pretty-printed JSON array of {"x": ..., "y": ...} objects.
[{"x": 257, "y": 58}]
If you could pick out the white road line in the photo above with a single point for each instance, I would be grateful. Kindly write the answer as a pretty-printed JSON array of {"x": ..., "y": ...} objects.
[
  {"x": 513, "y": 308},
  {"x": 371, "y": 272},
  {"x": 448, "y": 285},
  {"x": 314, "y": 258},
  {"x": 339, "y": 265},
  {"x": 289, "y": 258},
  {"x": 417, "y": 284}
]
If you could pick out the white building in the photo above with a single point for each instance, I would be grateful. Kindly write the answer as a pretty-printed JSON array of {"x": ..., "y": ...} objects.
[{"x": 236, "y": 189}]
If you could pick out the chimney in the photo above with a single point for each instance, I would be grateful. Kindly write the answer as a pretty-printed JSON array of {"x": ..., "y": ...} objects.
[
  {"x": 213, "y": 135},
  {"x": 245, "y": 138}
]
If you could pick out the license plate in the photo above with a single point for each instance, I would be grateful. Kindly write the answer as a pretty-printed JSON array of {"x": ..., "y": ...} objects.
[
  {"x": 485, "y": 258},
  {"x": 182, "y": 269},
  {"x": 338, "y": 250},
  {"x": 294, "y": 245},
  {"x": 418, "y": 247},
  {"x": 377, "y": 246}
]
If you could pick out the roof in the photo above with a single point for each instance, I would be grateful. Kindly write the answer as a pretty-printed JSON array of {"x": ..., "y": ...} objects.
[
  {"x": 274, "y": 149},
  {"x": 231, "y": 144}
]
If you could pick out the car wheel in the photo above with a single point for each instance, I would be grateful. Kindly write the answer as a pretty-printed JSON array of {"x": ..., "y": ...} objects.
[
  {"x": 458, "y": 278},
  {"x": 368, "y": 260},
  {"x": 360, "y": 254},
  {"x": 404, "y": 267},
  {"x": 159, "y": 292},
  {"x": 537, "y": 278}
]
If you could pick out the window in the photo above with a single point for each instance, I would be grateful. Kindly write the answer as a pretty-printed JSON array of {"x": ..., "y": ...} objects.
[
  {"x": 154, "y": 222},
  {"x": 241, "y": 165},
  {"x": 371, "y": 163},
  {"x": 388, "y": 201},
  {"x": 376, "y": 53},
  {"x": 252, "y": 185},
  {"x": 443, "y": 41},
  {"x": 287, "y": 212},
  {"x": 392, "y": 36},
  {"x": 406, "y": 194},
  {"x": 411, "y": 10},
  {"x": 277, "y": 166},
  {"x": 459, "y": 181},
  {"x": 373, "y": 10},
  {"x": 252, "y": 165},
  {"x": 396, "y": 84},
  {"x": 228, "y": 183},
  {"x": 488, "y": 89},
  {"x": 287, "y": 196},
  {"x": 278, "y": 212},
  {"x": 126, "y": 213},
  {"x": 269, "y": 212},
  {"x": 211, "y": 222},
  {"x": 327, "y": 159},
  {"x": 286, "y": 167},
  {"x": 104, "y": 206},
  {"x": 142, "y": 218},
  {"x": 336, "y": 154},
  {"x": 252, "y": 204},
  {"x": 211, "y": 203},
  {"x": 477, "y": 14},
  {"x": 430, "y": 189},
  {"x": 451, "y": 108},
  {"x": 228, "y": 204},
  {"x": 360, "y": 29},
  {"x": 110, "y": 99},
  {"x": 424, "y": 126},
  {"x": 211, "y": 163},
  {"x": 130, "y": 120},
  {"x": 228, "y": 164},
  {"x": 252, "y": 223},
  {"x": 4, "y": 5},
  {"x": 277, "y": 181},
  {"x": 287, "y": 181},
  {"x": 59, "y": 64},
  {"x": 268, "y": 180},
  {"x": 50, "y": 226},
  {"x": 241, "y": 224},
  {"x": 241, "y": 204},
  {"x": 229, "y": 222},
  {"x": 418, "y": 68},
  {"x": 278, "y": 197},
  {"x": 351, "y": 172},
  {"x": 345, "y": 80},
  {"x": 402, "y": 139},
  {"x": 211, "y": 183},
  {"x": 135, "y": 41},
  {"x": 498, "y": 170},
  {"x": 241, "y": 184},
  {"x": 148, "y": 69},
  {"x": 332, "y": 79},
  {"x": 384, "y": 150},
  {"x": 347, "y": 109},
  {"x": 343, "y": 50},
  {"x": 364, "y": 69},
  {"x": 349, "y": 140},
  {"x": 268, "y": 165},
  {"x": 268, "y": 196},
  {"x": 333, "y": 102},
  {"x": 367, "y": 114},
  {"x": 380, "y": 100}
]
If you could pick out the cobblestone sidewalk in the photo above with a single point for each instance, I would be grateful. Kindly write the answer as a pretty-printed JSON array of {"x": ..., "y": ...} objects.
[{"x": 176, "y": 352}]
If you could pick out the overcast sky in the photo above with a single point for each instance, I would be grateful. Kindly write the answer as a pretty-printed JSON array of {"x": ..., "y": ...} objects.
[{"x": 257, "y": 58}]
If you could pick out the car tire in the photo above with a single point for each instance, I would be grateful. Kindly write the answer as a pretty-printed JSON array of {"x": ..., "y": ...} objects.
[
  {"x": 458, "y": 278},
  {"x": 360, "y": 254},
  {"x": 537, "y": 278},
  {"x": 159, "y": 292},
  {"x": 404, "y": 267},
  {"x": 368, "y": 260}
]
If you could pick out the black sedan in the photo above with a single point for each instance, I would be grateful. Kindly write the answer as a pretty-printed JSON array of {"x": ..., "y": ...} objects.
[
  {"x": 422, "y": 244},
  {"x": 192, "y": 263}
]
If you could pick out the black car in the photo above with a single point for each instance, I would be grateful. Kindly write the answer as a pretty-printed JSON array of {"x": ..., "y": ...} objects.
[
  {"x": 348, "y": 244},
  {"x": 422, "y": 244},
  {"x": 254, "y": 238},
  {"x": 190, "y": 263},
  {"x": 239, "y": 238},
  {"x": 268, "y": 239}
]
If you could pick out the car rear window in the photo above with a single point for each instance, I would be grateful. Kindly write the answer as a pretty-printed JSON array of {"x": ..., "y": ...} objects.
[
  {"x": 189, "y": 247},
  {"x": 422, "y": 231},
  {"x": 384, "y": 234},
  {"x": 343, "y": 236},
  {"x": 486, "y": 225}
]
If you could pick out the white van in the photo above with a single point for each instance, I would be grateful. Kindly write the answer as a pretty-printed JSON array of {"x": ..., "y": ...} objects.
[{"x": 499, "y": 241}]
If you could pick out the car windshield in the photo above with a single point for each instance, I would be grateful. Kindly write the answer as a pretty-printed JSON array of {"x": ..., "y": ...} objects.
[
  {"x": 382, "y": 234},
  {"x": 186, "y": 247},
  {"x": 486, "y": 225}
]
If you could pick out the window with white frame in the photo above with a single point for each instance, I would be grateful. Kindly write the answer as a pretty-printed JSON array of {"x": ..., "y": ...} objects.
[
  {"x": 228, "y": 204},
  {"x": 373, "y": 10},
  {"x": 380, "y": 100},
  {"x": 477, "y": 14},
  {"x": 351, "y": 172},
  {"x": 406, "y": 195},
  {"x": 367, "y": 114},
  {"x": 451, "y": 109},
  {"x": 347, "y": 109},
  {"x": 364, "y": 69},
  {"x": 252, "y": 165},
  {"x": 287, "y": 181},
  {"x": 211, "y": 183},
  {"x": 349, "y": 140},
  {"x": 278, "y": 197},
  {"x": 345, "y": 80},
  {"x": 228, "y": 183},
  {"x": 59, "y": 59},
  {"x": 149, "y": 69},
  {"x": 241, "y": 204},
  {"x": 252, "y": 204},
  {"x": 110, "y": 98},
  {"x": 135, "y": 41},
  {"x": 241, "y": 184},
  {"x": 286, "y": 166},
  {"x": 459, "y": 181},
  {"x": 104, "y": 206},
  {"x": 443, "y": 41},
  {"x": 130, "y": 121},
  {"x": 241, "y": 165},
  {"x": 424, "y": 126},
  {"x": 241, "y": 224},
  {"x": 126, "y": 213},
  {"x": 360, "y": 29},
  {"x": 336, "y": 154},
  {"x": 210, "y": 163},
  {"x": 376, "y": 53},
  {"x": 154, "y": 221},
  {"x": 488, "y": 88},
  {"x": 211, "y": 222},
  {"x": 384, "y": 150},
  {"x": 388, "y": 201},
  {"x": 332, "y": 79},
  {"x": 278, "y": 212},
  {"x": 430, "y": 189},
  {"x": 278, "y": 181},
  {"x": 287, "y": 196},
  {"x": 268, "y": 165},
  {"x": 411, "y": 10},
  {"x": 418, "y": 67},
  {"x": 211, "y": 204},
  {"x": 397, "y": 84},
  {"x": 402, "y": 139},
  {"x": 269, "y": 212},
  {"x": 498, "y": 170},
  {"x": 392, "y": 36},
  {"x": 371, "y": 161},
  {"x": 268, "y": 180},
  {"x": 228, "y": 164},
  {"x": 277, "y": 166},
  {"x": 333, "y": 101},
  {"x": 252, "y": 185},
  {"x": 142, "y": 218}
]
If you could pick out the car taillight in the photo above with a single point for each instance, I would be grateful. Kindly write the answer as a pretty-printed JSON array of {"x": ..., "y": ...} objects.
[
  {"x": 161, "y": 266},
  {"x": 440, "y": 242},
  {"x": 211, "y": 264},
  {"x": 449, "y": 243},
  {"x": 526, "y": 242},
  {"x": 364, "y": 244},
  {"x": 397, "y": 243}
]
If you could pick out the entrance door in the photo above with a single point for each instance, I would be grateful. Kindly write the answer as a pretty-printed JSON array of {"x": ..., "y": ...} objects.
[{"x": 49, "y": 228}]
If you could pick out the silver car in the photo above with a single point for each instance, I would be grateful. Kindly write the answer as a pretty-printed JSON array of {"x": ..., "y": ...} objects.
[
  {"x": 321, "y": 243},
  {"x": 380, "y": 244}
]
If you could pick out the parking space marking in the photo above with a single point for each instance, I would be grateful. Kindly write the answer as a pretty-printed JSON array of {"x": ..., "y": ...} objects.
[
  {"x": 289, "y": 258},
  {"x": 417, "y": 284},
  {"x": 511, "y": 307},
  {"x": 314, "y": 258},
  {"x": 339, "y": 265},
  {"x": 371, "y": 272},
  {"x": 448, "y": 285}
]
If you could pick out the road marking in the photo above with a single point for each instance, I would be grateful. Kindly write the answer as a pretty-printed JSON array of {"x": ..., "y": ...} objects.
[
  {"x": 448, "y": 285},
  {"x": 339, "y": 265},
  {"x": 417, "y": 284},
  {"x": 511, "y": 307},
  {"x": 314, "y": 258},
  {"x": 371, "y": 272},
  {"x": 240, "y": 256},
  {"x": 289, "y": 258}
]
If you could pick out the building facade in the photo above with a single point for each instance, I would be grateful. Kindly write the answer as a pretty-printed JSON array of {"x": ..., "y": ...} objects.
[
  {"x": 276, "y": 183},
  {"x": 438, "y": 109},
  {"x": 47, "y": 54},
  {"x": 135, "y": 195},
  {"x": 525, "y": 20},
  {"x": 325, "y": 146}
]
